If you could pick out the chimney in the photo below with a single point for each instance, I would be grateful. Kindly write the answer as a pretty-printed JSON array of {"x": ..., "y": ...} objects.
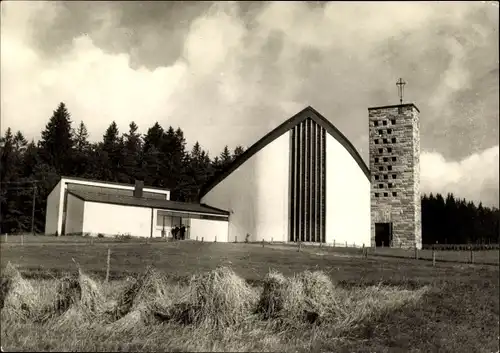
[{"x": 139, "y": 185}]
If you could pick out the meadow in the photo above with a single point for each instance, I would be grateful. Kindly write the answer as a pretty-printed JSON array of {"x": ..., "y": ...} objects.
[{"x": 193, "y": 296}]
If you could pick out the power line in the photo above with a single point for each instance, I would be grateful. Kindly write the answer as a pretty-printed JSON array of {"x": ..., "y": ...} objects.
[
  {"x": 21, "y": 182},
  {"x": 20, "y": 188}
]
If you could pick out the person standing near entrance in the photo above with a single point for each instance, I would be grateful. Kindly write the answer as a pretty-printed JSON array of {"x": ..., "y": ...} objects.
[{"x": 183, "y": 231}]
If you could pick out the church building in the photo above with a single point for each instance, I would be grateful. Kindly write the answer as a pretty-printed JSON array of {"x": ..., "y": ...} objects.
[{"x": 302, "y": 182}]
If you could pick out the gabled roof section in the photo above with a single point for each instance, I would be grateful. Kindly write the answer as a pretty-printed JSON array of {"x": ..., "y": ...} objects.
[
  {"x": 308, "y": 112},
  {"x": 148, "y": 203}
]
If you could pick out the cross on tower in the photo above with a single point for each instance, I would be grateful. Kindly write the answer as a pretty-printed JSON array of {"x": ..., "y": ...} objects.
[{"x": 400, "y": 85}]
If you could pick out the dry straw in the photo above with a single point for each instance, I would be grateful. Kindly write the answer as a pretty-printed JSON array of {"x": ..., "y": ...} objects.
[
  {"x": 82, "y": 301},
  {"x": 18, "y": 299},
  {"x": 282, "y": 298},
  {"x": 137, "y": 302},
  {"x": 215, "y": 300},
  {"x": 319, "y": 293},
  {"x": 307, "y": 297}
]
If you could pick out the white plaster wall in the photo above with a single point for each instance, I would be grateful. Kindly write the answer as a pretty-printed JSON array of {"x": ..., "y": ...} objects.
[
  {"x": 256, "y": 194},
  {"x": 209, "y": 229},
  {"x": 60, "y": 190},
  {"x": 52, "y": 210},
  {"x": 74, "y": 215},
  {"x": 347, "y": 197},
  {"x": 111, "y": 219}
]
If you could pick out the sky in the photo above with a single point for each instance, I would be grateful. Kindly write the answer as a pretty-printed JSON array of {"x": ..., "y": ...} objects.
[{"x": 229, "y": 72}]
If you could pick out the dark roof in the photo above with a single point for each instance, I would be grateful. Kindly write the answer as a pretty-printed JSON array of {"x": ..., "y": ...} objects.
[
  {"x": 112, "y": 183},
  {"x": 112, "y": 190},
  {"x": 307, "y": 112},
  {"x": 149, "y": 203}
]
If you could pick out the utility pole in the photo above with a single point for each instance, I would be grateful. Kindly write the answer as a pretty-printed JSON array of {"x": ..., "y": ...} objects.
[
  {"x": 2, "y": 144},
  {"x": 33, "y": 210}
]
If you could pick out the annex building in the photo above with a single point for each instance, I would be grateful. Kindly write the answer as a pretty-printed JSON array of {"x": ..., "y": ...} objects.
[{"x": 303, "y": 181}]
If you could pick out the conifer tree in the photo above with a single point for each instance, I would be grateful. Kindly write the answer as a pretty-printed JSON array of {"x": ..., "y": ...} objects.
[{"x": 56, "y": 144}]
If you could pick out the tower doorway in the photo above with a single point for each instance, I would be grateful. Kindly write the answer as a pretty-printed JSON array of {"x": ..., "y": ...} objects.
[{"x": 383, "y": 234}]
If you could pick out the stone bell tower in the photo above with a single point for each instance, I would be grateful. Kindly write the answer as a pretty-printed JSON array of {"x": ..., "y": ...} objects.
[{"x": 394, "y": 142}]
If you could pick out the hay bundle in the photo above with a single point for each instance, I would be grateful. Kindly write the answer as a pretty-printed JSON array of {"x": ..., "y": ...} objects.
[
  {"x": 281, "y": 298},
  {"x": 17, "y": 296},
  {"x": 81, "y": 301},
  {"x": 140, "y": 298},
  {"x": 147, "y": 289},
  {"x": 217, "y": 299},
  {"x": 318, "y": 291},
  {"x": 68, "y": 292}
]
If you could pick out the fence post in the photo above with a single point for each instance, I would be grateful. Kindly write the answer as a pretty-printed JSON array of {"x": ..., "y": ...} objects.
[
  {"x": 107, "y": 265},
  {"x": 333, "y": 242},
  {"x": 262, "y": 242},
  {"x": 202, "y": 238},
  {"x": 433, "y": 257},
  {"x": 363, "y": 250},
  {"x": 215, "y": 240},
  {"x": 272, "y": 239},
  {"x": 196, "y": 238},
  {"x": 346, "y": 244}
]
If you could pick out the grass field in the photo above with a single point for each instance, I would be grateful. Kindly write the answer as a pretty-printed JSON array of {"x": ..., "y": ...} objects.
[{"x": 384, "y": 303}]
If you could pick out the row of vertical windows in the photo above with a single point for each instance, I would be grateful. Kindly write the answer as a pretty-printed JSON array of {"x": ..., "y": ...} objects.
[
  {"x": 385, "y": 159},
  {"x": 384, "y": 122},
  {"x": 381, "y": 150},
  {"x": 385, "y": 194},
  {"x": 377, "y": 141},
  {"x": 381, "y": 131},
  {"x": 307, "y": 194},
  {"x": 384, "y": 176}
]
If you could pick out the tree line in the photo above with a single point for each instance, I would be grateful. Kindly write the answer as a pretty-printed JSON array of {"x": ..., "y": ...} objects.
[
  {"x": 29, "y": 170},
  {"x": 158, "y": 157}
]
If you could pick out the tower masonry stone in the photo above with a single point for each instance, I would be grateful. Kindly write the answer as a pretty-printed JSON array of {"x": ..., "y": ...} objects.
[{"x": 394, "y": 142}]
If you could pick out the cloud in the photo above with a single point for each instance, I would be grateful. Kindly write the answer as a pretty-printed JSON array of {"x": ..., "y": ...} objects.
[
  {"x": 474, "y": 178},
  {"x": 228, "y": 77}
]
